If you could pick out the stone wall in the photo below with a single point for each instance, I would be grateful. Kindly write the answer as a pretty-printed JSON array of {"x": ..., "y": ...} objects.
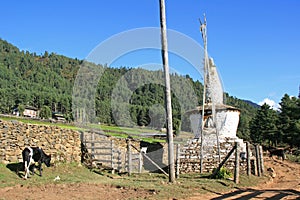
[
  {"x": 61, "y": 144},
  {"x": 190, "y": 157}
]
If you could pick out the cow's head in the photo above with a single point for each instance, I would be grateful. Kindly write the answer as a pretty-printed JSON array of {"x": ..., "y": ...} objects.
[{"x": 47, "y": 160}]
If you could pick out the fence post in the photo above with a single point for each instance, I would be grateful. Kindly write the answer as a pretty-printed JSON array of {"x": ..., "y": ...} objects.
[
  {"x": 248, "y": 159},
  {"x": 81, "y": 136},
  {"x": 119, "y": 160},
  {"x": 178, "y": 161},
  {"x": 140, "y": 162},
  {"x": 129, "y": 157},
  {"x": 93, "y": 144},
  {"x": 261, "y": 160},
  {"x": 255, "y": 166},
  {"x": 237, "y": 164},
  {"x": 258, "y": 159},
  {"x": 112, "y": 156}
]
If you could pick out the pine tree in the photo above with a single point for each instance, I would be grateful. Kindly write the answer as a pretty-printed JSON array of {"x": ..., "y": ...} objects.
[
  {"x": 289, "y": 123},
  {"x": 263, "y": 126}
]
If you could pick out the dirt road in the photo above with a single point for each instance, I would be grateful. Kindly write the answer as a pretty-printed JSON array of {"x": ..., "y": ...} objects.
[{"x": 285, "y": 184}]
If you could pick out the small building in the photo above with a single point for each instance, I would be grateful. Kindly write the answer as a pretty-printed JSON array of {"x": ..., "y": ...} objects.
[
  {"x": 29, "y": 111},
  {"x": 58, "y": 117}
]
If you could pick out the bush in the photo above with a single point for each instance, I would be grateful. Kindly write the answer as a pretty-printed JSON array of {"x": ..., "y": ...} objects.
[
  {"x": 45, "y": 112},
  {"x": 223, "y": 173},
  {"x": 293, "y": 158}
]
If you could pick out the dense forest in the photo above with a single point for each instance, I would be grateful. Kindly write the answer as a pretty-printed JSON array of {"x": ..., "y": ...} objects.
[
  {"x": 46, "y": 82},
  {"x": 275, "y": 128}
]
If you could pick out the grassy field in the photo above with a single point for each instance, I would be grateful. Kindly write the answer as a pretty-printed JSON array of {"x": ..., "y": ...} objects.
[
  {"x": 116, "y": 131},
  {"x": 71, "y": 173}
]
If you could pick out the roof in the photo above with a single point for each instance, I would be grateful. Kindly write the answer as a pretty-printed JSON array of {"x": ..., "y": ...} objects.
[
  {"x": 208, "y": 107},
  {"x": 31, "y": 108}
]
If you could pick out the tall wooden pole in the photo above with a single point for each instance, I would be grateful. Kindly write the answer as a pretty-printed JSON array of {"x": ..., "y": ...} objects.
[
  {"x": 203, "y": 31},
  {"x": 237, "y": 164},
  {"x": 164, "y": 44},
  {"x": 248, "y": 158},
  {"x": 258, "y": 160}
]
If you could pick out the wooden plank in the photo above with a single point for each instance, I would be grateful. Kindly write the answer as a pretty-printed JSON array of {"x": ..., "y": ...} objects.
[
  {"x": 140, "y": 162},
  {"x": 101, "y": 154},
  {"x": 101, "y": 148},
  {"x": 223, "y": 162},
  {"x": 248, "y": 158},
  {"x": 129, "y": 157},
  {"x": 258, "y": 160},
  {"x": 92, "y": 143},
  {"x": 102, "y": 160},
  {"x": 178, "y": 161},
  {"x": 255, "y": 167},
  {"x": 97, "y": 142},
  {"x": 148, "y": 158},
  {"x": 119, "y": 162},
  {"x": 112, "y": 156},
  {"x": 237, "y": 164},
  {"x": 261, "y": 159}
]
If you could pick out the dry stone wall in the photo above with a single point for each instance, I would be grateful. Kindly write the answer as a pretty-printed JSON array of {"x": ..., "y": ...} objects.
[
  {"x": 62, "y": 144},
  {"x": 190, "y": 157}
]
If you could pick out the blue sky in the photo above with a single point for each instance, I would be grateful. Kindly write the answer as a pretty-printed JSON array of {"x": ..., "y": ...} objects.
[{"x": 255, "y": 44}]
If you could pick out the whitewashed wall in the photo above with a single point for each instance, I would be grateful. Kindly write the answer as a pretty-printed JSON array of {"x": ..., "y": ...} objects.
[{"x": 227, "y": 123}]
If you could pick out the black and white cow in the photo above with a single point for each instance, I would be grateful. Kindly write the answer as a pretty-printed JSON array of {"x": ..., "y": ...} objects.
[{"x": 34, "y": 154}]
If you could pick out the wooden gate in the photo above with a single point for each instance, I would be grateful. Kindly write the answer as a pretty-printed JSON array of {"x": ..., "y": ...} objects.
[{"x": 103, "y": 152}]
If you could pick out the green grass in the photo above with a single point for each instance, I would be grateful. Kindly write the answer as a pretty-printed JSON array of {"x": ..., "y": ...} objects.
[
  {"x": 136, "y": 130},
  {"x": 121, "y": 132},
  {"x": 38, "y": 122},
  {"x": 293, "y": 158},
  {"x": 185, "y": 186}
]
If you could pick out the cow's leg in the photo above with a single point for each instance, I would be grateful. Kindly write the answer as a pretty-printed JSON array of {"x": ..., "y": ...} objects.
[
  {"x": 27, "y": 171},
  {"x": 40, "y": 167},
  {"x": 283, "y": 156},
  {"x": 33, "y": 168}
]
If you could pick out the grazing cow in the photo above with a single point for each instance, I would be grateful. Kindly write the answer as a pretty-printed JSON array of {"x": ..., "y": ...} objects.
[
  {"x": 277, "y": 152},
  {"x": 34, "y": 154}
]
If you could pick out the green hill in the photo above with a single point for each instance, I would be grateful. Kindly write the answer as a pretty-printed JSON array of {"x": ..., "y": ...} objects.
[{"x": 48, "y": 79}]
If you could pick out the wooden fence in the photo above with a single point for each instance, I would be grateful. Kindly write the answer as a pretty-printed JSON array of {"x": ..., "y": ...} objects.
[
  {"x": 130, "y": 158},
  {"x": 106, "y": 154}
]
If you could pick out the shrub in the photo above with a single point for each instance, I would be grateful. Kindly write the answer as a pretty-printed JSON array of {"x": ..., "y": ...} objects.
[{"x": 223, "y": 173}]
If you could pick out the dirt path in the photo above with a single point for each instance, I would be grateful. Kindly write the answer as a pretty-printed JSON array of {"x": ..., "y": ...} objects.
[
  {"x": 71, "y": 191},
  {"x": 284, "y": 185}
]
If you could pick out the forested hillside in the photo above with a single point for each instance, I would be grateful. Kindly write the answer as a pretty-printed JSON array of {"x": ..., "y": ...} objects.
[
  {"x": 47, "y": 80},
  {"x": 28, "y": 79}
]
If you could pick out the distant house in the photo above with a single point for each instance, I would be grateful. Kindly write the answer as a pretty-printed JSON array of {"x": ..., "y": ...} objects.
[
  {"x": 58, "y": 117},
  {"x": 30, "y": 111}
]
